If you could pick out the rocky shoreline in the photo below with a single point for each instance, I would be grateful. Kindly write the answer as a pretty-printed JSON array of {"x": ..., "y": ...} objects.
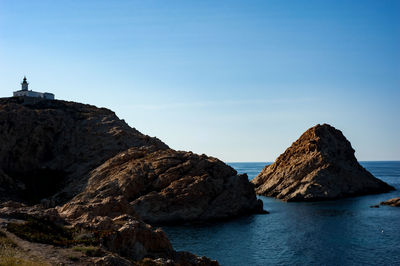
[
  {"x": 80, "y": 184},
  {"x": 68, "y": 165}
]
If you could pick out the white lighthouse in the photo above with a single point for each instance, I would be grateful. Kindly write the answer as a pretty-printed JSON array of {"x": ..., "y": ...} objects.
[
  {"x": 24, "y": 92},
  {"x": 24, "y": 85}
]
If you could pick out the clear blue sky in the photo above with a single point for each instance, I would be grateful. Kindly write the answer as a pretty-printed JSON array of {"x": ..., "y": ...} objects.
[{"x": 239, "y": 80}]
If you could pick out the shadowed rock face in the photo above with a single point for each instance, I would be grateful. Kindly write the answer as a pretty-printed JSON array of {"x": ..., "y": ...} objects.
[
  {"x": 56, "y": 144},
  {"x": 392, "y": 202},
  {"x": 320, "y": 165}
]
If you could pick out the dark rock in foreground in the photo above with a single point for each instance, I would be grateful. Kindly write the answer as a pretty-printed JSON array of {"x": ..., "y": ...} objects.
[
  {"x": 122, "y": 240},
  {"x": 320, "y": 165},
  {"x": 392, "y": 202}
]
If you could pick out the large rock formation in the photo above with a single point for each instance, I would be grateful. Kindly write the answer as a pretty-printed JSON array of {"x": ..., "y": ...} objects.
[
  {"x": 85, "y": 167},
  {"x": 320, "y": 165},
  {"x": 51, "y": 151},
  {"x": 395, "y": 202},
  {"x": 165, "y": 186}
]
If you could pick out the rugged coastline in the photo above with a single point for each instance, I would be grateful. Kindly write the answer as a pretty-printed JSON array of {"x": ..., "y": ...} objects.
[
  {"x": 79, "y": 186},
  {"x": 71, "y": 165}
]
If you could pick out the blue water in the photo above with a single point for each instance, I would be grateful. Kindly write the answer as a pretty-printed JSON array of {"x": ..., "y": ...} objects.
[{"x": 341, "y": 232}]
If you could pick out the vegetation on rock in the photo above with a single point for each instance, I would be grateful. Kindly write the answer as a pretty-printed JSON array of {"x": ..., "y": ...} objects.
[{"x": 11, "y": 255}]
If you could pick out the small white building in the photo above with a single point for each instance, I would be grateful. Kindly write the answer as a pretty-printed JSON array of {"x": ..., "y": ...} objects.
[{"x": 29, "y": 93}]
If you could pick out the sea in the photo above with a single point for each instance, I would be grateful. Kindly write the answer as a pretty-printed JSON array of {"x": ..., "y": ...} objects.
[{"x": 339, "y": 232}]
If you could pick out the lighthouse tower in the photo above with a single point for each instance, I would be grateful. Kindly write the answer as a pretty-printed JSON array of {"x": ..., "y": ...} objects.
[
  {"x": 24, "y": 85},
  {"x": 24, "y": 92}
]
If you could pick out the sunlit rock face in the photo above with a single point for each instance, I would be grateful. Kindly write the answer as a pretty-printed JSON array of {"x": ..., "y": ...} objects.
[
  {"x": 320, "y": 165},
  {"x": 166, "y": 186}
]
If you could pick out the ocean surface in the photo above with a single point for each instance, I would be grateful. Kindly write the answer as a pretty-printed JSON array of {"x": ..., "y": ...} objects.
[{"x": 340, "y": 232}]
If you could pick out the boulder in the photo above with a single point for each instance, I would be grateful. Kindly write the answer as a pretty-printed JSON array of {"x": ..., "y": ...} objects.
[{"x": 320, "y": 165}]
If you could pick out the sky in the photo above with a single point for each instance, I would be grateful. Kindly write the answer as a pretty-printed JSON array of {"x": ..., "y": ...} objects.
[{"x": 237, "y": 80}]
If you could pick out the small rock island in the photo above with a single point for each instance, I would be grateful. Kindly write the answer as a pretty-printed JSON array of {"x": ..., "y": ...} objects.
[
  {"x": 320, "y": 165},
  {"x": 395, "y": 202}
]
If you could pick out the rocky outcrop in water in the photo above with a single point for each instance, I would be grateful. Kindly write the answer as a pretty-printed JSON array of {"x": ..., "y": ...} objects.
[
  {"x": 392, "y": 202},
  {"x": 320, "y": 165}
]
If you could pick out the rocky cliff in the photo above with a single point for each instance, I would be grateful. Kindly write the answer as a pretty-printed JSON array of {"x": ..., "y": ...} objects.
[
  {"x": 84, "y": 167},
  {"x": 49, "y": 147},
  {"x": 52, "y": 151},
  {"x": 320, "y": 165}
]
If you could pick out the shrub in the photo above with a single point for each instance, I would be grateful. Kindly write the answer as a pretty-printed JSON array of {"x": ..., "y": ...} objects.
[
  {"x": 41, "y": 231},
  {"x": 90, "y": 251},
  {"x": 47, "y": 232},
  {"x": 5, "y": 242}
]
